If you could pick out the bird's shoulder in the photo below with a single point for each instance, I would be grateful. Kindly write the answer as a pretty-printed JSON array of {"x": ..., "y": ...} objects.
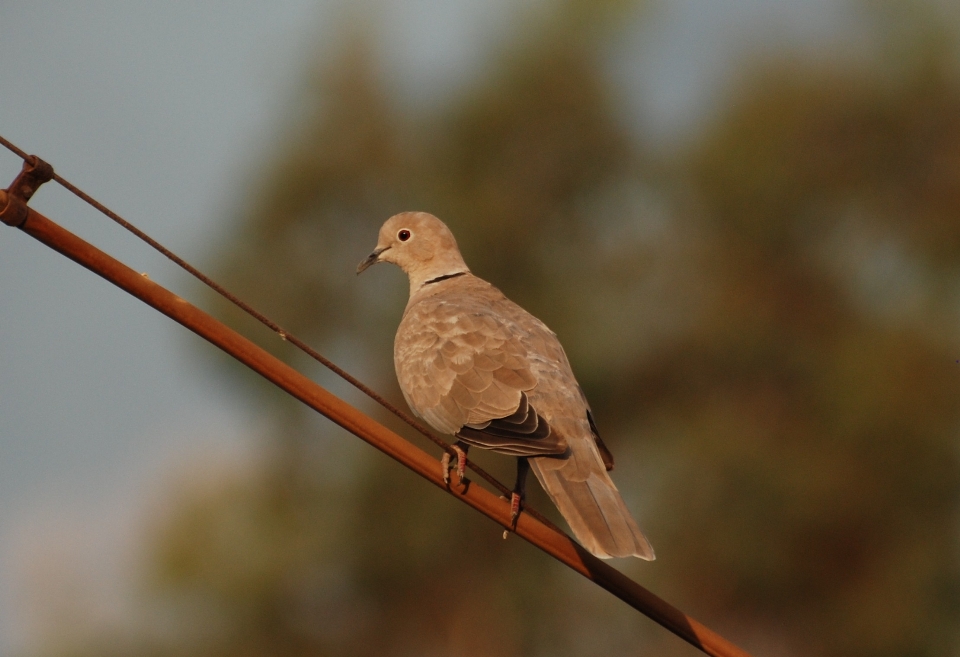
[
  {"x": 469, "y": 304},
  {"x": 459, "y": 318}
]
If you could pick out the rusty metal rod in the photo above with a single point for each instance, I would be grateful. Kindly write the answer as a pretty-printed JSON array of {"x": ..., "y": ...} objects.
[{"x": 558, "y": 545}]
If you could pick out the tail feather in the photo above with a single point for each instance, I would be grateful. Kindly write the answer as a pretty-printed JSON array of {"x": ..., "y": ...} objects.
[{"x": 593, "y": 508}]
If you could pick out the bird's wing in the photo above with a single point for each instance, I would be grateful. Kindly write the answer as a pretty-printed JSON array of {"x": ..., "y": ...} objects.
[
  {"x": 463, "y": 368},
  {"x": 605, "y": 455},
  {"x": 578, "y": 483}
]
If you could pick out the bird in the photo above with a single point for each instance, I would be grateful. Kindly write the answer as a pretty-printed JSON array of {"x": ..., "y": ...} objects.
[{"x": 475, "y": 365}]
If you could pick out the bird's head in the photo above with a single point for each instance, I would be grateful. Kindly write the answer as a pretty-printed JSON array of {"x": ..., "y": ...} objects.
[{"x": 420, "y": 244}]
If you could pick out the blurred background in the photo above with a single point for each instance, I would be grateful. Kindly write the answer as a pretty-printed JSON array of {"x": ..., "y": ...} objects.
[{"x": 741, "y": 217}]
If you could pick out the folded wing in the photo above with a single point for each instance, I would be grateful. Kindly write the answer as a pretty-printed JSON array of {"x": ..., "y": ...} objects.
[{"x": 468, "y": 374}]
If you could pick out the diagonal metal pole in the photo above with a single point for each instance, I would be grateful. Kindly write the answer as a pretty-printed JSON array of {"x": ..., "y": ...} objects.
[{"x": 15, "y": 212}]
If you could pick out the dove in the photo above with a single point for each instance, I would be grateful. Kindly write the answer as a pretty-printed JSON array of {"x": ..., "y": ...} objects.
[{"x": 475, "y": 365}]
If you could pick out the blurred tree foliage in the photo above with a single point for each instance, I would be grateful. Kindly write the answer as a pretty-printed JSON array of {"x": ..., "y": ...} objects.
[{"x": 766, "y": 325}]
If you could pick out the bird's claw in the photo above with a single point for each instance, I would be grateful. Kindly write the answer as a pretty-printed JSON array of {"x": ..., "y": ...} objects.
[
  {"x": 461, "y": 465},
  {"x": 516, "y": 501},
  {"x": 445, "y": 467},
  {"x": 514, "y": 508}
]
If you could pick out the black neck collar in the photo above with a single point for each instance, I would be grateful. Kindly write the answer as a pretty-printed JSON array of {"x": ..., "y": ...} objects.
[{"x": 444, "y": 277}]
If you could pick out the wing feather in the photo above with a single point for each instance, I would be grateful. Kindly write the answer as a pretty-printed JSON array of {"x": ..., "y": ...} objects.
[{"x": 468, "y": 375}]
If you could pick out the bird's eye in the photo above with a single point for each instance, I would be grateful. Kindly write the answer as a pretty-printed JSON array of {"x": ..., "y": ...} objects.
[{"x": 403, "y": 235}]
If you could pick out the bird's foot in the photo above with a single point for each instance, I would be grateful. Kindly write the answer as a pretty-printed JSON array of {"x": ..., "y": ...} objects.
[
  {"x": 519, "y": 492},
  {"x": 515, "y": 501},
  {"x": 445, "y": 467},
  {"x": 461, "y": 464}
]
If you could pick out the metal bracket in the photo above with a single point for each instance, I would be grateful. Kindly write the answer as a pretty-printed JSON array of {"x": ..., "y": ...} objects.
[{"x": 13, "y": 200}]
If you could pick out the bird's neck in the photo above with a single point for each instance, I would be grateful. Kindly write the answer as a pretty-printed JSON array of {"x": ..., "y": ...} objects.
[
  {"x": 427, "y": 277},
  {"x": 440, "y": 267}
]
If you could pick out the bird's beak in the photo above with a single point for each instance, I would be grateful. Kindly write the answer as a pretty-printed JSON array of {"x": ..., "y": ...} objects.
[{"x": 371, "y": 259}]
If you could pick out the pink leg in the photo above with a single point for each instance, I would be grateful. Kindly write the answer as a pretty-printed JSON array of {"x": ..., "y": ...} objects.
[
  {"x": 519, "y": 490},
  {"x": 515, "y": 501},
  {"x": 461, "y": 451},
  {"x": 514, "y": 506},
  {"x": 445, "y": 467},
  {"x": 461, "y": 463}
]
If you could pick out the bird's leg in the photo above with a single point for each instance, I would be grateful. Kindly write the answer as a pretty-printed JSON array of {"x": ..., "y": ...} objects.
[
  {"x": 461, "y": 458},
  {"x": 461, "y": 449},
  {"x": 519, "y": 494}
]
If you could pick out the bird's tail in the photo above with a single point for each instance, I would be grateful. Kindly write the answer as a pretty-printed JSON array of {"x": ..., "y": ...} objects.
[{"x": 592, "y": 506}]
